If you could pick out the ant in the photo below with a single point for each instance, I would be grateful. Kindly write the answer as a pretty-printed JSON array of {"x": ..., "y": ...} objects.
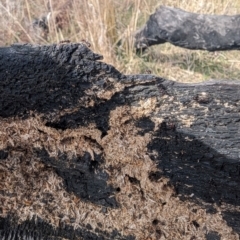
[
  {"x": 64, "y": 41},
  {"x": 147, "y": 71},
  {"x": 86, "y": 43}
]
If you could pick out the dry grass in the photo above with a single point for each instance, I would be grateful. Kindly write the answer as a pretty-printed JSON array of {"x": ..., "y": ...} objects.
[{"x": 109, "y": 25}]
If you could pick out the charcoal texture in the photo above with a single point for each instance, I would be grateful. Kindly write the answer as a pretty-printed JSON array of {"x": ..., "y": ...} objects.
[
  {"x": 196, "y": 145},
  {"x": 38, "y": 229},
  {"x": 190, "y": 30}
]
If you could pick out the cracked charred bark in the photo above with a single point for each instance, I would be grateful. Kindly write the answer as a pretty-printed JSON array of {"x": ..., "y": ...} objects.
[
  {"x": 190, "y": 30},
  {"x": 62, "y": 95}
]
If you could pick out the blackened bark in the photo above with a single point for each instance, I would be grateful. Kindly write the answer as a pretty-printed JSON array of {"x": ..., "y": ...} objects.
[
  {"x": 32, "y": 76},
  {"x": 38, "y": 229},
  {"x": 193, "y": 128},
  {"x": 190, "y": 30}
]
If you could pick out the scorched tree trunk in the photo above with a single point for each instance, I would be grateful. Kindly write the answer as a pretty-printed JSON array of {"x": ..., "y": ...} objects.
[
  {"x": 89, "y": 153},
  {"x": 190, "y": 30}
]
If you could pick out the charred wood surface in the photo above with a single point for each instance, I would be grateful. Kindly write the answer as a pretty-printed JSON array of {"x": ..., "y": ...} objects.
[
  {"x": 190, "y": 30},
  {"x": 108, "y": 143}
]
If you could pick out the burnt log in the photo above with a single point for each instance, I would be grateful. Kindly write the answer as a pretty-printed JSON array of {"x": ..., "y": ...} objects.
[
  {"x": 190, "y": 30},
  {"x": 87, "y": 152}
]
